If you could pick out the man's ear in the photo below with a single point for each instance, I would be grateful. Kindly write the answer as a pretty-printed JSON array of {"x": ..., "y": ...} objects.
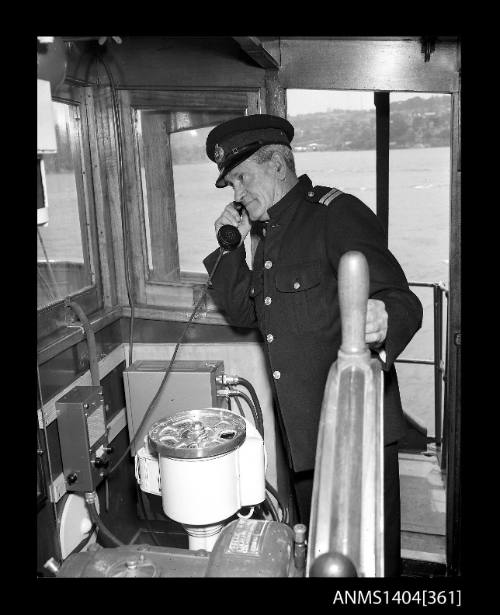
[{"x": 279, "y": 165}]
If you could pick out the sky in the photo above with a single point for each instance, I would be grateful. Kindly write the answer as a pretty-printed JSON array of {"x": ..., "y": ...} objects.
[{"x": 313, "y": 101}]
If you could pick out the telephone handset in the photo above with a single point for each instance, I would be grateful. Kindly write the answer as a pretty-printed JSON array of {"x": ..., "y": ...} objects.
[{"x": 228, "y": 235}]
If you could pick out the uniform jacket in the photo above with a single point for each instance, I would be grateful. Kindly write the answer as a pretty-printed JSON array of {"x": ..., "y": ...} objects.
[{"x": 291, "y": 295}]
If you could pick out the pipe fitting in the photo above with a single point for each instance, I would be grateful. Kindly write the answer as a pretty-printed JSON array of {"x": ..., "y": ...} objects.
[
  {"x": 227, "y": 380},
  {"x": 90, "y": 497}
]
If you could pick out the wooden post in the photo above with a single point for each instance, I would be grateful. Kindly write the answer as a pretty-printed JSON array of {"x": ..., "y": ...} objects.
[
  {"x": 453, "y": 434},
  {"x": 275, "y": 97}
]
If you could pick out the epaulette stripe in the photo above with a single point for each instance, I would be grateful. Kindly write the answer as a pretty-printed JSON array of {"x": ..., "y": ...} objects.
[
  {"x": 325, "y": 196},
  {"x": 332, "y": 197}
]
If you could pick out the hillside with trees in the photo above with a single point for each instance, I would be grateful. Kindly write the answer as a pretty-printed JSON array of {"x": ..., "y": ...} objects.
[{"x": 416, "y": 122}]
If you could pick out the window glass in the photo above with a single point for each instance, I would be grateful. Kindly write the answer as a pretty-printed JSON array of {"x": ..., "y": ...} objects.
[
  {"x": 180, "y": 199},
  {"x": 334, "y": 143},
  {"x": 419, "y": 229},
  {"x": 62, "y": 264},
  {"x": 198, "y": 202},
  {"x": 419, "y": 184}
]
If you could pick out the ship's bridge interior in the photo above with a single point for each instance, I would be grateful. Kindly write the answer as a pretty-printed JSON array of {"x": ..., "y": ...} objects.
[{"x": 130, "y": 337}]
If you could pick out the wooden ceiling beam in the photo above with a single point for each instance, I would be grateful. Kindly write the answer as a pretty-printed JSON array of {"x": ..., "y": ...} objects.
[{"x": 253, "y": 46}]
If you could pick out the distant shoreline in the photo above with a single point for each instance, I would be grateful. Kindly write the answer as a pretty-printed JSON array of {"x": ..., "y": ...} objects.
[
  {"x": 345, "y": 149},
  {"x": 303, "y": 150}
]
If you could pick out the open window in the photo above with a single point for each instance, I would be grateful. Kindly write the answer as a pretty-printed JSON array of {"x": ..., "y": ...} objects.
[
  {"x": 335, "y": 143},
  {"x": 177, "y": 201},
  {"x": 66, "y": 242},
  {"x": 396, "y": 158}
]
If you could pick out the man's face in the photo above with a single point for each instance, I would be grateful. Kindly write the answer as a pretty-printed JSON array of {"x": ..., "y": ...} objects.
[{"x": 254, "y": 186}]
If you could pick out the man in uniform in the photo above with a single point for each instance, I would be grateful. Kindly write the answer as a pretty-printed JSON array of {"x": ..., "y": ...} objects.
[{"x": 291, "y": 294}]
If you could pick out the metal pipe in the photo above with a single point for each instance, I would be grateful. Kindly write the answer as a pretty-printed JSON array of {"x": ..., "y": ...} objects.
[
  {"x": 91, "y": 343},
  {"x": 427, "y": 284},
  {"x": 438, "y": 291},
  {"x": 382, "y": 111},
  {"x": 438, "y": 349},
  {"x": 417, "y": 361}
]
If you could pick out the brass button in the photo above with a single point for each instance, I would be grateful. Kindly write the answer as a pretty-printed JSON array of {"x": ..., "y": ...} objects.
[
  {"x": 310, "y": 193},
  {"x": 268, "y": 264},
  {"x": 296, "y": 285},
  {"x": 269, "y": 337},
  {"x": 276, "y": 375},
  {"x": 268, "y": 300},
  {"x": 252, "y": 292}
]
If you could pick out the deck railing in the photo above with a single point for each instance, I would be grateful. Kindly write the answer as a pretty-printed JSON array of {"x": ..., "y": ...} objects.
[{"x": 439, "y": 291}]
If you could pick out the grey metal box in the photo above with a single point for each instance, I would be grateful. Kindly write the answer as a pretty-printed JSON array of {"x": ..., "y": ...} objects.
[
  {"x": 190, "y": 385},
  {"x": 82, "y": 432}
]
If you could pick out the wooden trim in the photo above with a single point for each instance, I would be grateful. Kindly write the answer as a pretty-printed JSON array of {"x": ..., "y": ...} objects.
[
  {"x": 160, "y": 197},
  {"x": 453, "y": 435},
  {"x": 185, "y": 62},
  {"x": 367, "y": 64},
  {"x": 51, "y": 346},
  {"x": 253, "y": 47},
  {"x": 67, "y": 92},
  {"x": 176, "y": 314},
  {"x": 423, "y": 556},
  {"x": 212, "y": 88},
  {"x": 88, "y": 220},
  {"x": 275, "y": 94},
  {"x": 52, "y": 317},
  {"x": 133, "y": 201},
  {"x": 108, "y": 172},
  {"x": 83, "y": 209},
  {"x": 104, "y": 234},
  {"x": 154, "y": 288},
  {"x": 210, "y": 100}
]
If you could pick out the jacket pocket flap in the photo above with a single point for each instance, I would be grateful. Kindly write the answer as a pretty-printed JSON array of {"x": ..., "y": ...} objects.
[{"x": 298, "y": 277}]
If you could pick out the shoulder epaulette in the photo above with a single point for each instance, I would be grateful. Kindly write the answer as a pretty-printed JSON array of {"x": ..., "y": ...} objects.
[
  {"x": 324, "y": 194},
  {"x": 331, "y": 195}
]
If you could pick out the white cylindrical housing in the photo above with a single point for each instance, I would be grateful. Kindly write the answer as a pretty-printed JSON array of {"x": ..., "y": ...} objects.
[
  {"x": 200, "y": 491},
  {"x": 251, "y": 459},
  {"x": 205, "y": 490}
]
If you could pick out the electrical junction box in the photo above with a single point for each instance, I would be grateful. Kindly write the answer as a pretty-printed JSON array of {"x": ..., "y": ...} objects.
[
  {"x": 83, "y": 437},
  {"x": 190, "y": 385}
]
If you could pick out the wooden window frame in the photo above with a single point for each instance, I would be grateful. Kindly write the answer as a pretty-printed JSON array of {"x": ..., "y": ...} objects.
[
  {"x": 174, "y": 293},
  {"x": 52, "y": 319}
]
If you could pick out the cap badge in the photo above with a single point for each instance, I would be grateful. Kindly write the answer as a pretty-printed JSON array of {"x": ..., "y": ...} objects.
[{"x": 218, "y": 153}]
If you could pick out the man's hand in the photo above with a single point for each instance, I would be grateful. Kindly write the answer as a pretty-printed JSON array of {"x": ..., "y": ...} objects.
[
  {"x": 376, "y": 323},
  {"x": 231, "y": 216}
]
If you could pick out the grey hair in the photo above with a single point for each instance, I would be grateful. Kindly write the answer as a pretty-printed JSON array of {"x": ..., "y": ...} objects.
[{"x": 266, "y": 152}]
